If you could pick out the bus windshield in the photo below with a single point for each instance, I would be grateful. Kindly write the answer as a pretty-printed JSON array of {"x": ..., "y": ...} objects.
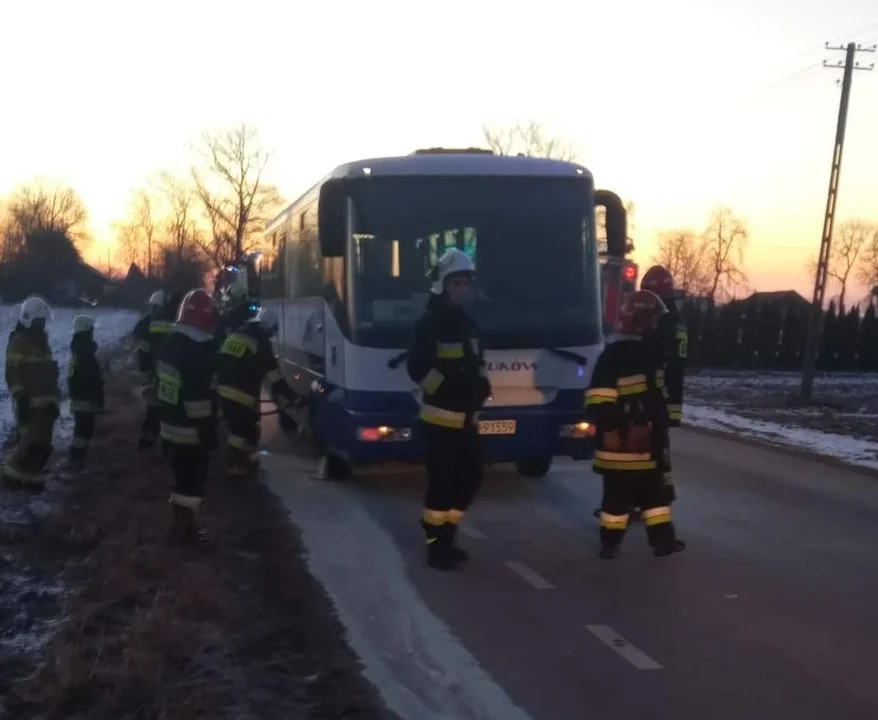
[{"x": 531, "y": 239}]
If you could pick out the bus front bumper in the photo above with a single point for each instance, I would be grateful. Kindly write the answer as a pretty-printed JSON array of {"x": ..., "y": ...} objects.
[{"x": 508, "y": 435}]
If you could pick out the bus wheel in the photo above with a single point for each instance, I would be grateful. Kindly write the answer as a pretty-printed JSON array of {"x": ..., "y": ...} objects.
[
  {"x": 332, "y": 467},
  {"x": 534, "y": 467}
]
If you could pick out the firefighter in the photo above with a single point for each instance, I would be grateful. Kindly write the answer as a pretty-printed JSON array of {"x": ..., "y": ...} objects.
[
  {"x": 19, "y": 410},
  {"x": 445, "y": 359},
  {"x": 85, "y": 384},
  {"x": 32, "y": 375},
  {"x": 149, "y": 334},
  {"x": 245, "y": 361},
  {"x": 184, "y": 369},
  {"x": 238, "y": 309},
  {"x": 670, "y": 342},
  {"x": 630, "y": 416}
]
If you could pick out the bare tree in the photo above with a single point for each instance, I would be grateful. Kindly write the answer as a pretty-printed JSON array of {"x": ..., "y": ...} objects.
[
  {"x": 182, "y": 236},
  {"x": 867, "y": 272},
  {"x": 37, "y": 207},
  {"x": 685, "y": 256},
  {"x": 235, "y": 197},
  {"x": 725, "y": 242},
  {"x": 529, "y": 139},
  {"x": 138, "y": 234},
  {"x": 851, "y": 239}
]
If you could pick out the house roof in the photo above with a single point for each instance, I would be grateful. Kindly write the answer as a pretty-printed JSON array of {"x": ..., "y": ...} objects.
[{"x": 777, "y": 296}]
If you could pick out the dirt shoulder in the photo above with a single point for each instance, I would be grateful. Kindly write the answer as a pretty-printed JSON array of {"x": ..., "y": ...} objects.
[{"x": 242, "y": 631}]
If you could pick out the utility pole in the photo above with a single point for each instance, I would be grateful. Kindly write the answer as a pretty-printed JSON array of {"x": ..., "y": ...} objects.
[{"x": 816, "y": 320}]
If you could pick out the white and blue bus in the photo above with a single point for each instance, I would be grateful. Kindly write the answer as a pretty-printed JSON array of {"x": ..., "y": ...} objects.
[{"x": 347, "y": 264}]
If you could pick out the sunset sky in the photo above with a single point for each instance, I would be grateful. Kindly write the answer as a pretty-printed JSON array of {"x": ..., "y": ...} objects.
[{"x": 678, "y": 106}]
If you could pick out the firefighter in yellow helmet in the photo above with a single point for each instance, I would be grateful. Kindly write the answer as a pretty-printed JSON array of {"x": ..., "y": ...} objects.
[
  {"x": 630, "y": 416},
  {"x": 32, "y": 375},
  {"x": 446, "y": 360}
]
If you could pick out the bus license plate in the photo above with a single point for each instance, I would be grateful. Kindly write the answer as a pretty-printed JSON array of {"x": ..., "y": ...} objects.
[{"x": 496, "y": 427}]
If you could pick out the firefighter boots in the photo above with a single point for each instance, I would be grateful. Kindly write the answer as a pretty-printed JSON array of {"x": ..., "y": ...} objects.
[
  {"x": 439, "y": 546},
  {"x": 456, "y": 553}
]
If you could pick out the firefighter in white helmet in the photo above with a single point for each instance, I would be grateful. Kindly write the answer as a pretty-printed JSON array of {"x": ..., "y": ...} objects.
[
  {"x": 445, "y": 359},
  {"x": 32, "y": 375}
]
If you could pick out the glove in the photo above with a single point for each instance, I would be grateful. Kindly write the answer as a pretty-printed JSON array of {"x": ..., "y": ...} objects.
[
  {"x": 639, "y": 439},
  {"x": 483, "y": 388},
  {"x": 612, "y": 441}
]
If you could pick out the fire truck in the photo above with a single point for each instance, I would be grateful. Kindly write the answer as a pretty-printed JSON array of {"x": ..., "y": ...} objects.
[{"x": 618, "y": 276}]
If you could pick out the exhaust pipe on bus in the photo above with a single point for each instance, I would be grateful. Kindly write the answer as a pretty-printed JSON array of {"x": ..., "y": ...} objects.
[{"x": 617, "y": 222}]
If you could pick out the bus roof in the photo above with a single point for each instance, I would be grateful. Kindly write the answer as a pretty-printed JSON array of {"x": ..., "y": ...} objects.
[{"x": 447, "y": 164}]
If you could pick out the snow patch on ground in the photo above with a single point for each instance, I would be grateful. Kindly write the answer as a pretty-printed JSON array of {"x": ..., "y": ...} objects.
[
  {"x": 857, "y": 451},
  {"x": 29, "y": 597}
]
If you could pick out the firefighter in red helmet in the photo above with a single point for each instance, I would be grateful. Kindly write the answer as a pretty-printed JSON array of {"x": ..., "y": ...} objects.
[
  {"x": 630, "y": 417},
  {"x": 184, "y": 372},
  {"x": 670, "y": 344}
]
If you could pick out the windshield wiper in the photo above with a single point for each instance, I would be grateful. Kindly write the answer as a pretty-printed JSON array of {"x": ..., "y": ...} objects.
[
  {"x": 568, "y": 355},
  {"x": 396, "y": 361}
]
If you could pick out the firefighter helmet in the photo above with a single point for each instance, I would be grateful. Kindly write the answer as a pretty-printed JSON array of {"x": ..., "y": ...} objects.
[
  {"x": 157, "y": 300},
  {"x": 269, "y": 320},
  {"x": 453, "y": 262},
  {"x": 82, "y": 324},
  {"x": 639, "y": 312},
  {"x": 659, "y": 280},
  {"x": 34, "y": 310},
  {"x": 198, "y": 309}
]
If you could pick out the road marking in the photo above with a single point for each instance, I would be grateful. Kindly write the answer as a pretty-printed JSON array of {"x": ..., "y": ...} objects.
[
  {"x": 529, "y": 576},
  {"x": 617, "y": 643},
  {"x": 472, "y": 532}
]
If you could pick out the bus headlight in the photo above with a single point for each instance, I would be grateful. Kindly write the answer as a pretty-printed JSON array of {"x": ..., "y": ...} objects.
[
  {"x": 383, "y": 433},
  {"x": 581, "y": 429}
]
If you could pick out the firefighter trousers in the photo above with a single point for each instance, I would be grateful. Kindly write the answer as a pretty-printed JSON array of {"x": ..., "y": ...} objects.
[
  {"x": 24, "y": 465},
  {"x": 189, "y": 465},
  {"x": 22, "y": 416},
  {"x": 670, "y": 493},
  {"x": 83, "y": 431},
  {"x": 149, "y": 429},
  {"x": 454, "y": 475},
  {"x": 635, "y": 488},
  {"x": 243, "y": 437}
]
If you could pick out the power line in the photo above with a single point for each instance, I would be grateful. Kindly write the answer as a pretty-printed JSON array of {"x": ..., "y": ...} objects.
[{"x": 821, "y": 276}]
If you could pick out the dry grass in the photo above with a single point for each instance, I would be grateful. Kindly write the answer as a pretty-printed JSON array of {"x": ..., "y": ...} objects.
[{"x": 156, "y": 633}]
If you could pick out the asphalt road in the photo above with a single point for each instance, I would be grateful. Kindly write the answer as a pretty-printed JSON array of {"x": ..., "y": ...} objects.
[{"x": 772, "y": 611}]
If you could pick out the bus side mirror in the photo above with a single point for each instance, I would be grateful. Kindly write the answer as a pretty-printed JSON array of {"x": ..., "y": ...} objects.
[
  {"x": 331, "y": 219},
  {"x": 616, "y": 220}
]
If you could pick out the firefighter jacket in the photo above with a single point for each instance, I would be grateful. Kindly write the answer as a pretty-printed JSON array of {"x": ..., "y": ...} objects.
[
  {"x": 246, "y": 360},
  {"x": 31, "y": 373},
  {"x": 85, "y": 380},
  {"x": 15, "y": 331},
  {"x": 672, "y": 346},
  {"x": 627, "y": 408},
  {"x": 445, "y": 359},
  {"x": 184, "y": 368},
  {"x": 150, "y": 333}
]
